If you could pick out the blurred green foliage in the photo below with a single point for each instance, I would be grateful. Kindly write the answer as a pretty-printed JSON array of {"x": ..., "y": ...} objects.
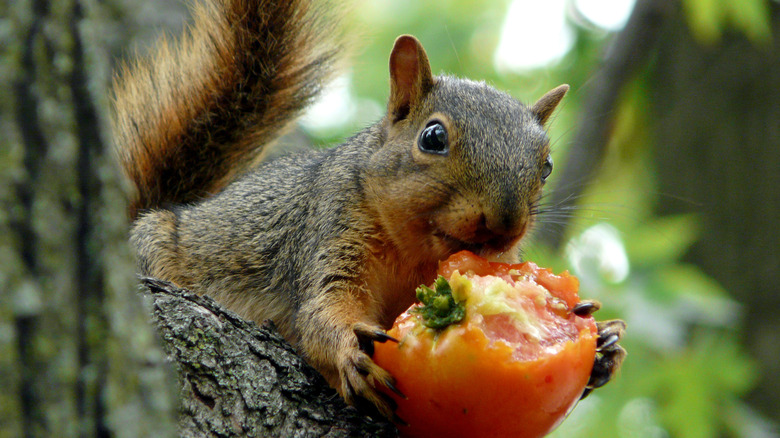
[
  {"x": 709, "y": 18},
  {"x": 686, "y": 371}
]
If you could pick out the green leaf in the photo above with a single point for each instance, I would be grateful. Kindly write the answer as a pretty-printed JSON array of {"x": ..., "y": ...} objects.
[
  {"x": 709, "y": 18},
  {"x": 704, "y": 19},
  {"x": 701, "y": 297},
  {"x": 752, "y": 17},
  {"x": 663, "y": 240},
  {"x": 695, "y": 386}
]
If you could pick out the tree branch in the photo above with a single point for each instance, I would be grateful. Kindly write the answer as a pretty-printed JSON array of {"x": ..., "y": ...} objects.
[{"x": 240, "y": 379}]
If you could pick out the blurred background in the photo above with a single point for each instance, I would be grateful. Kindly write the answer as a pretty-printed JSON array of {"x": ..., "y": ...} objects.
[{"x": 664, "y": 201}]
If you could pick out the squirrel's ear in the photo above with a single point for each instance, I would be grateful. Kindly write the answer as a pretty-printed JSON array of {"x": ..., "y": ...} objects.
[
  {"x": 544, "y": 107},
  {"x": 410, "y": 76}
]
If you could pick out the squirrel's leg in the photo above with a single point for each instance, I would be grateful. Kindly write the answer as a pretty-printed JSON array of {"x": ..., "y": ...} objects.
[
  {"x": 336, "y": 336},
  {"x": 609, "y": 354},
  {"x": 155, "y": 239}
]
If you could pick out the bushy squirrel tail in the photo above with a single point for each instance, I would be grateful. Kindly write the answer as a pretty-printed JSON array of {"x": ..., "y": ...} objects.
[{"x": 195, "y": 113}]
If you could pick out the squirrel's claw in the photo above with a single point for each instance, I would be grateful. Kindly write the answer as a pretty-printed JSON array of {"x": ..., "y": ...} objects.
[
  {"x": 586, "y": 308},
  {"x": 358, "y": 375},
  {"x": 367, "y": 334},
  {"x": 609, "y": 354}
]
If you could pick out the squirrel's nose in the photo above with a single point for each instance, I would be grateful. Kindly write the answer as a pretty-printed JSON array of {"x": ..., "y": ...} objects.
[
  {"x": 502, "y": 223},
  {"x": 498, "y": 233}
]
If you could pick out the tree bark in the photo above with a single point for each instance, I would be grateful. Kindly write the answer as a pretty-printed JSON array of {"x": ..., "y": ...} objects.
[
  {"x": 78, "y": 356},
  {"x": 238, "y": 379}
]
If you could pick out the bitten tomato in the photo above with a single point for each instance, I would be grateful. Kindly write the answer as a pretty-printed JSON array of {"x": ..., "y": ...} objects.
[{"x": 514, "y": 365}]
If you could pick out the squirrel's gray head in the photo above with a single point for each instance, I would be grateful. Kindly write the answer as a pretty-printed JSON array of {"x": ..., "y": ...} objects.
[{"x": 466, "y": 161}]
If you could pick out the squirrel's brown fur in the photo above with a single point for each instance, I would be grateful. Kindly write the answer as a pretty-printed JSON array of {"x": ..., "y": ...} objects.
[
  {"x": 196, "y": 113},
  {"x": 329, "y": 244}
]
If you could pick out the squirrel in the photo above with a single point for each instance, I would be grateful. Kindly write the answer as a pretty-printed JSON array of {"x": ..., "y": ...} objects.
[{"x": 328, "y": 244}]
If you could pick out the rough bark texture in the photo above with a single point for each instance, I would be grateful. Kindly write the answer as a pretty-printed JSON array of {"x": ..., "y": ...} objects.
[
  {"x": 78, "y": 356},
  {"x": 238, "y": 379}
]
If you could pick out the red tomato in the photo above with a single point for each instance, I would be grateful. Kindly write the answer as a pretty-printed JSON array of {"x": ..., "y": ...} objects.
[{"x": 513, "y": 366}]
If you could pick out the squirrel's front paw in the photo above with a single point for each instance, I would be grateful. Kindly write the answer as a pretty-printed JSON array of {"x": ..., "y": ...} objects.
[
  {"x": 359, "y": 373},
  {"x": 609, "y": 354}
]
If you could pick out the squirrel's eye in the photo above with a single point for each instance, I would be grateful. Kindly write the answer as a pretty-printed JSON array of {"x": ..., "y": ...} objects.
[
  {"x": 433, "y": 139},
  {"x": 547, "y": 168}
]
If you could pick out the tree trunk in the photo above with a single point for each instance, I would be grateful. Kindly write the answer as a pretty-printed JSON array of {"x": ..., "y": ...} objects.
[{"x": 77, "y": 354}]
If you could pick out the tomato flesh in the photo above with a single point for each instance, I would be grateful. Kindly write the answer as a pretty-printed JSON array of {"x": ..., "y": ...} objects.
[
  {"x": 513, "y": 367},
  {"x": 564, "y": 286}
]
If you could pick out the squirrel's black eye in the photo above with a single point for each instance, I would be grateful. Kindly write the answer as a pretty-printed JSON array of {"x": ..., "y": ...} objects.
[
  {"x": 547, "y": 168},
  {"x": 433, "y": 139}
]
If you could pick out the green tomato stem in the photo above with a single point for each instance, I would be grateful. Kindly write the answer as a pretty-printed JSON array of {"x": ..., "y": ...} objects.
[{"x": 440, "y": 309}]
